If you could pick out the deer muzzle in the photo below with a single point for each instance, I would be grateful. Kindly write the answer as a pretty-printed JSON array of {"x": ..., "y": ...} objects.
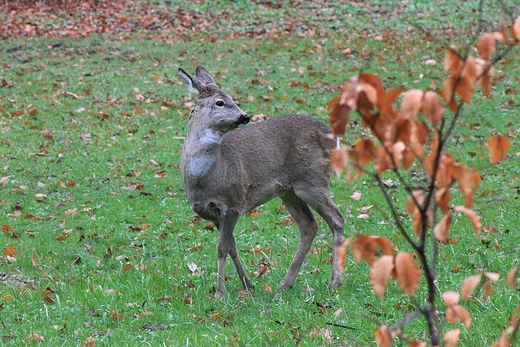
[{"x": 243, "y": 119}]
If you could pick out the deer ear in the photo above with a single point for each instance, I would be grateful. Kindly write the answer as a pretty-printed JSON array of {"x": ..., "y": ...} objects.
[
  {"x": 203, "y": 75},
  {"x": 192, "y": 84}
]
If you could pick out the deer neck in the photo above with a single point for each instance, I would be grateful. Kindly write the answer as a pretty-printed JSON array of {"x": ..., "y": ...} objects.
[{"x": 200, "y": 152}]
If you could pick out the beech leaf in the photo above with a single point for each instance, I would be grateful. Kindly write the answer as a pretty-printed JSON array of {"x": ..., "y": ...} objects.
[
  {"x": 408, "y": 272},
  {"x": 469, "y": 285},
  {"x": 511, "y": 276},
  {"x": 452, "y": 337},
  {"x": 442, "y": 230},
  {"x": 450, "y": 298},
  {"x": 380, "y": 273},
  {"x": 498, "y": 146},
  {"x": 473, "y": 217}
]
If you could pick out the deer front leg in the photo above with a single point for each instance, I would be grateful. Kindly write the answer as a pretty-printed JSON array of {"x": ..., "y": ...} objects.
[{"x": 227, "y": 245}]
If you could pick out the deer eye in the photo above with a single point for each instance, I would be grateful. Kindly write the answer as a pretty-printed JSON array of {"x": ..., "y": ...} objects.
[{"x": 219, "y": 103}]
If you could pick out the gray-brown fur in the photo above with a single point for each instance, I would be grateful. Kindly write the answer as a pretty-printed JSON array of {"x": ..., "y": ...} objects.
[{"x": 227, "y": 173}]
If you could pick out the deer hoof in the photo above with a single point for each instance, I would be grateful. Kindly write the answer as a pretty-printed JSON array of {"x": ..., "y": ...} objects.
[{"x": 220, "y": 294}]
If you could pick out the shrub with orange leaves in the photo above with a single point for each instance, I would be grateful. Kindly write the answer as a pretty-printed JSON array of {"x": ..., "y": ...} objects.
[{"x": 415, "y": 134}]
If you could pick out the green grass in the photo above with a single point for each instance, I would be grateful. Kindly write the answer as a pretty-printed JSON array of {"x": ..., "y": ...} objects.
[{"x": 91, "y": 136}]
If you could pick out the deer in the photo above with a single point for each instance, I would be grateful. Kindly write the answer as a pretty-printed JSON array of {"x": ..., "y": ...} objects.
[{"x": 229, "y": 168}]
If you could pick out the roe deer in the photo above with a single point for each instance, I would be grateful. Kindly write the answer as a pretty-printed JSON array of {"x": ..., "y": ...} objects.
[{"x": 227, "y": 173}]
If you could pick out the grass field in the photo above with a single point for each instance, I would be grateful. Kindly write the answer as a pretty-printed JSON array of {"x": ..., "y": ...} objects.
[{"x": 92, "y": 202}]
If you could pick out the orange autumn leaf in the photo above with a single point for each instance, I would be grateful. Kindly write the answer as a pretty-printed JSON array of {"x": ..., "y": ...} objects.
[
  {"x": 432, "y": 108},
  {"x": 515, "y": 30},
  {"x": 342, "y": 253},
  {"x": 339, "y": 117},
  {"x": 385, "y": 244},
  {"x": 503, "y": 341},
  {"x": 441, "y": 231},
  {"x": 473, "y": 217},
  {"x": 89, "y": 342},
  {"x": 389, "y": 99},
  {"x": 411, "y": 103},
  {"x": 469, "y": 285},
  {"x": 332, "y": 103},
  {"x": 463, "y": 314},
  {"x": 380, "y": 273},
  {"x": 442, "y": 199},
  {"x": 339, "y": 159},
  {"x": 486, "y": 45},
  {"x": 364, "y": 247},
  {"x": 116, "y": 316},
  {"x": 267, "y": 288},
  {"x": 378, "y": 86},
  {"x": 511, "y": 276},
  {"x": 10, "y": 251},
  {"x": 452, "y": 61},
  {"x": 450, "y": 298},
  {"x": 408, "y": 272},
  {"x": 383, "y": 337},
  {"x": 451, "y": 338},
  {"x": 498, "y": 146},
  {"x": 465, "y": 88}
]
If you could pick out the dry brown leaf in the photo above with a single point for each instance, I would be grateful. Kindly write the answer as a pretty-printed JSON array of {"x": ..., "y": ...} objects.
[
  {"x": 414, "y": 343},
  {"x": 10, "y": 251},
  {"x": 339, "y": 159},
  {"x": 473, "y": 217},
  {"x": 36, "y": 337},
  {"x": 268, "y": 288},
  {"x": 451, "y": 315},
  {"x": 339, "y": 117},
  {"x": 511, "y": 276},
  {"x": 442, "y": 199},
  {"x": 452, "y": 61},
  {"x": 377, "y": 84},
  {"x": 385, "y": 244},
  {"x": 450, "y": 298},
  {"x": 383, "y": 337},
  {"x": 411, "y": 103},
  {"x": 90, "y": 342},
  {"x": 465, "y": 179},
  {"x": 503, "y": 341},
  {"x": 380, "y": 273},
  {"x": 342, "y": 253},
  {"x": 452, "y": 337},
  {"x": 408, "y": 272},
  {"x": 513, "y": 320},
  {"x": 469, "y": 285},
  {"x": 364, "y": 247},
  {"x": 465, "y": 88},
  {"x": 463, "y": 314},
  {"x": 486, "y": 46},
  {"x": 515, "y": 30},
  {"x": 389, "y": 99},
  {"x": 442, "y": 230},
  {"x": 476, "y": 178},
  {"x": 432, "y": 107},
  {"x": 498, "y": 146},
  {"x": 487, "y": 287},
  {"x": 362, "y": 153},
  {"x": 493, "y": 276},
  {"x": 116, "y": 316}
]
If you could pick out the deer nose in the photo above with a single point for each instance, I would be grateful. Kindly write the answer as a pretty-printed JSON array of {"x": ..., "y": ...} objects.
[{"x": 244, "y": 119}]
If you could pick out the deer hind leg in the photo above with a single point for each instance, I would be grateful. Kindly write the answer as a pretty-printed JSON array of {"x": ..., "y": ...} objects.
[
  {"x": 227, "y": 245},
  {"x": 304, "y": 218},
  {"x": 318, "y": 199}
]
